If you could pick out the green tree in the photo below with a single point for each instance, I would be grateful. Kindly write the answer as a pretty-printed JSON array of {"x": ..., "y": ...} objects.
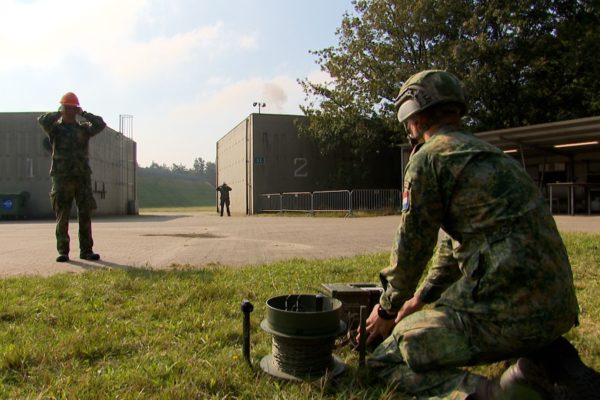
[
  {"x": 528, "y": 62},
  {"x": 210, "y": 172},
  {"x": 199, "y": 166},
  {"x": 522, "y": 62}
]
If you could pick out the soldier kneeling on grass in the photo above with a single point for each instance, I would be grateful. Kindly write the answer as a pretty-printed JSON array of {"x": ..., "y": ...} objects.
[{"x": 501, "y": 286}]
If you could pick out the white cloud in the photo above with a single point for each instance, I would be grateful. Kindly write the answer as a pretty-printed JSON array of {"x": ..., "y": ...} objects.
[
  {"x": 44, "y": 33},
  {"x": 248, "y": 41},
  {"x": 142, "y": 60}
]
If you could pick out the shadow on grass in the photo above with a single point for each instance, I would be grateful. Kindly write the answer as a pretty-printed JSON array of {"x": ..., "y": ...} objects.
[
  {"x": 99, "y": 264},
  {"x": 186, "y": 271}
]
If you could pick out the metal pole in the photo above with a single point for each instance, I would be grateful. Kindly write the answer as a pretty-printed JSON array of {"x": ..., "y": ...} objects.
[
  {"x": 362, "y": 343},
  {"x": 246, "y": 308},
  {"x": 572, "y": 199}
]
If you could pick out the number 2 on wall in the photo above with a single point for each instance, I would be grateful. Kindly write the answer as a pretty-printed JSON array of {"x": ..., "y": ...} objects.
[{"x": 300, "y": 167}]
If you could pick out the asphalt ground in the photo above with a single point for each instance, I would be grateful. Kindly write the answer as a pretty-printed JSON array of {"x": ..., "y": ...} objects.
[{"x": 162, "y": 240}]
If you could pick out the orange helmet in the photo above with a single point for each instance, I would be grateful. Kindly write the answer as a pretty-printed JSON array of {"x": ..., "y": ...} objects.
[{"x": 69, "y": 99}]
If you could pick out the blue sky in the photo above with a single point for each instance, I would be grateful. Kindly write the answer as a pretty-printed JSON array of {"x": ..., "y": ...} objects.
[{"x": 187, "y": 70}]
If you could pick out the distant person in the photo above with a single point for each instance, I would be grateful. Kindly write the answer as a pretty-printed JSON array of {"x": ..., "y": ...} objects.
[
  {"x": 70, "y": 172},
  {"x": 224, "y": 190}
]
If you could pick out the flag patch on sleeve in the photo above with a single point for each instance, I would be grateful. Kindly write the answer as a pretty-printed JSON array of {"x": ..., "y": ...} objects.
[{"x": 405, "y": 200}]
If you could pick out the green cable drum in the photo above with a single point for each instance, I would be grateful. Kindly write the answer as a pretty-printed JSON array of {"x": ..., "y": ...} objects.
[{"x": 304, "y": 328}]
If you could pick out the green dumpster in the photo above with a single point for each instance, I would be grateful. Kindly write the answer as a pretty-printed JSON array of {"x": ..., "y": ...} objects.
[{"x": 13, "y": 205}]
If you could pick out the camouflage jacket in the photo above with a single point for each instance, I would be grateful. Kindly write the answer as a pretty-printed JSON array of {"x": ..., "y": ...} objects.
[
  {"x": 70, "y": 150},
  {"x": 224, "y": 191},
  {"x": 500, "y": 254}
]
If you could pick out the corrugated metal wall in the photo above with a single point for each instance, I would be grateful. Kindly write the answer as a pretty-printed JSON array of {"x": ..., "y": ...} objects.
[{"x": 25, "y": 164}]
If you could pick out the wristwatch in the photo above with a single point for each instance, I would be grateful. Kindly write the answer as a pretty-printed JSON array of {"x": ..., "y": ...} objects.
[{"x": 384, "y": 314}]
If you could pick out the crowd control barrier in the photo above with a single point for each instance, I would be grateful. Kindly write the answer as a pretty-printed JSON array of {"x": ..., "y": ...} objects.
[{"x": 332, "y": 201}]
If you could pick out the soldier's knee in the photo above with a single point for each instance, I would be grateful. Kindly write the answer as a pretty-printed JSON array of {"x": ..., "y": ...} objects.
[
  {"x": 415, "y": 353},
  {"x": 429, "y": 349}
]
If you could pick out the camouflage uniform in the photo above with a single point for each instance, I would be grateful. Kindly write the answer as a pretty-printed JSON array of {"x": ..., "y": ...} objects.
[
  {"x": 71, "y": 175},
  {"x": 224, "y": 190},
  {"x": 501, "y": 282}
]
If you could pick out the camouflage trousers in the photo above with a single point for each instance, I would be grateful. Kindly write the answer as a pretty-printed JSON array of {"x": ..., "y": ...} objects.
[
  {"x": 64, "y": 191},
  {"x": 423, "y": 355},
  {"x": 225, "y": 203}
]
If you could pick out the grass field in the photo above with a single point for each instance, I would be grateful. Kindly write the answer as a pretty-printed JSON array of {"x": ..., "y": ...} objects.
[
  {"x": 141, "y": 334},
  {"x": 159, "y": 191}
]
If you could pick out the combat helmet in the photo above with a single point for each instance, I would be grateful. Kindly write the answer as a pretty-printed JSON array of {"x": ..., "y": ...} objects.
[{"x": 426, "y": 89}]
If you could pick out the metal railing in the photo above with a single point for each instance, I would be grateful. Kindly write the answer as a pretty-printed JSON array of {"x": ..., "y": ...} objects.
[
  {"x": 332, "y": 201},
  {"x": 270, "y": 202},
  {"x": 376, "y": 199},
  {"x": 296, "y": 201}
]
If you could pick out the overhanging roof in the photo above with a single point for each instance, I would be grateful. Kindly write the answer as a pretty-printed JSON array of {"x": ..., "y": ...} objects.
[{"x": 543, "y": 137}]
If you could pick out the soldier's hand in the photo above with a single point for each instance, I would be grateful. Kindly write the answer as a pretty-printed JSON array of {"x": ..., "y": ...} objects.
[
  {"x": 410, "y": 306},
  {"x": 377, "y": 327}
]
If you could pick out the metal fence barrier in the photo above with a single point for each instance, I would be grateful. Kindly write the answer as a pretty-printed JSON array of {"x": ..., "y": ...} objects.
[
  {"x": 270, "y": 202},
  {"x": 296, "y": 201},
  {"x": 332, "y": 200},
  {"x": 376, "y": 199}
]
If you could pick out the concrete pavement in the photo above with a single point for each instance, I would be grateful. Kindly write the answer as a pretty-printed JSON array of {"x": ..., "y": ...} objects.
[{"x": 160, "y": 240}]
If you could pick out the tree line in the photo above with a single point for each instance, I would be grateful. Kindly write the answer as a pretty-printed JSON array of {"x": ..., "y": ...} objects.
[
  {"x": 522, "y": 62},
  {"x": 202, "y": 170}
]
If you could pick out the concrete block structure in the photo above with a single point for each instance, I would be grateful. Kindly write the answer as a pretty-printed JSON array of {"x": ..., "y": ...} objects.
[
  {"x": 25, "y": 158},
  {"x": 264, "y": 154}
]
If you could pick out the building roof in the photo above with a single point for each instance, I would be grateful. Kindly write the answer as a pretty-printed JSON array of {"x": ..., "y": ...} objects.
[{"x": 543, "y": 138}]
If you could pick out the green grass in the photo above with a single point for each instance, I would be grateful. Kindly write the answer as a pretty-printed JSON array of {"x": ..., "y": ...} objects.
[
  {"x": 159, "y": 191},
  {"x": 132, "y": 334}
]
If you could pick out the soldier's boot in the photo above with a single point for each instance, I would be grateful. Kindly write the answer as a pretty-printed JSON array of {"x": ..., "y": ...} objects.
[
  {"x": 563, "y": 366},
  {"x": 523, "y": 380},
  {"x": 89, "y": 255},
  {"x": 62, "y": 258}
]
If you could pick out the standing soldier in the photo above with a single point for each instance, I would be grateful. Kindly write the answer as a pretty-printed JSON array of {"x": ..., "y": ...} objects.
[
  {"x": 224, "y": 192},
  {"x": 71, "y": 173},
  {"x": 501, "y": 284}
]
